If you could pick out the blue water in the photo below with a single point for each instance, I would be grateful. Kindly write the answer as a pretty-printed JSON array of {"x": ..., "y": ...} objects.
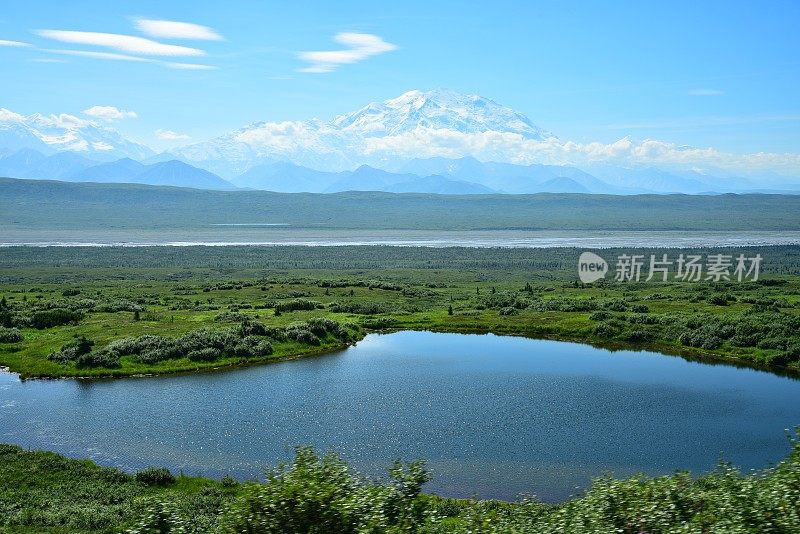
[{"x": 493, "y": 416}]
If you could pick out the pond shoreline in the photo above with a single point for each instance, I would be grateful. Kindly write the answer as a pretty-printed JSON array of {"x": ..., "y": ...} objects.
[{"x": 687, "y": 353}]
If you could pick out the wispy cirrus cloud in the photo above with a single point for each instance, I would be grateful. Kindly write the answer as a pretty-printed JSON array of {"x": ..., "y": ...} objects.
[
  {"x": 15, "y": 44},
  {"x": 702, "y": 122},
  {"x": 188, "y": 66},
  {"x": 705, "y": 92},
  {"x": 169, "y": 29},
  {"x": 122, "y": 47},
  {"x": 127, "y": 44},
  {"x": 109, "y": 113},
  {"x": 113, "y": 56},
  {"x": 169, "y": 135},
  {"x": 360, "y": 46}
]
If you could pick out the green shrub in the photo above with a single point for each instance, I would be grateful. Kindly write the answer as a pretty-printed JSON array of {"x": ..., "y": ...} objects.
[
  {"x": 10, "y": 335},
  {"x": 639, "y": 336},
  {"x": 605, "y": 329},
  {"x": 208, "y": 354},
  {"x": 323, "y": 495},
  {"x": 55, "y": 317},
  {"x": 360, "y": 308},
  {"x": 253, "y": 346},
  {"x": 718, "y": 300},
  {"x": 297, "y": 304},
  {"x": 155, "y": 476},
  {"x": 73, "y": 350}
]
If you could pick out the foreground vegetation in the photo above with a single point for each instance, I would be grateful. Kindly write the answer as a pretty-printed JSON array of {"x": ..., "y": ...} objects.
[
  {"x": 142, "y": 317},
  {"x": 79, "y": 312},
  {"x": 45, "y": 492}
]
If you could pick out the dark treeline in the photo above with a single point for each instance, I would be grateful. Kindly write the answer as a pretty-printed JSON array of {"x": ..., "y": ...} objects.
[{"x": 558, "y": 262}]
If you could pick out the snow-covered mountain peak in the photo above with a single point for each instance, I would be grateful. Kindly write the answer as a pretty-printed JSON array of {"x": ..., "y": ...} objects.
[
  {"x": 437, "y": 109},
  {"x": 66, "y": 132}
]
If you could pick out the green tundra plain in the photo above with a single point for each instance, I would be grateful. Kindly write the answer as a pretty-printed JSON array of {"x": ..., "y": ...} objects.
[{"x": 128, "y": 311}]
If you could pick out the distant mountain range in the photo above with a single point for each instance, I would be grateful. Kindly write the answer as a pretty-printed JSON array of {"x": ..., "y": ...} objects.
[
  {"x": 70, "y": 167},
  {"x": 375, "y": 148},
  {"x": 463, "y": 176}
]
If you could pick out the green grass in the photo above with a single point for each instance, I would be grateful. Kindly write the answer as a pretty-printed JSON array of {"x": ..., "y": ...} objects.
[{"x": 45, "y": 492}]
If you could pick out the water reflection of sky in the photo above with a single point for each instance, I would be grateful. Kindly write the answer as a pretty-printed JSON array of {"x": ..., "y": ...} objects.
[{"x": 495, "y": 416}]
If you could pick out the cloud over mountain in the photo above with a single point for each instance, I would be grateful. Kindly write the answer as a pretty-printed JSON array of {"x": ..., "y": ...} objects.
[
  {"x": 443, "y": 123},
  {"x": 109, "y": 113}
]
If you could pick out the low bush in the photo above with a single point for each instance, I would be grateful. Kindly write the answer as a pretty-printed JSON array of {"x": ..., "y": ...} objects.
[
  {"x": 155, "y": 476},
  {"x": 297, "y": 304},
  {"x": 72, "y": 351},
  {"x": 248, "y": 340},
  {"x": 55, "y": 317},
  {"x": 360, "y": 308},
  {"x": 10, "y": 335},
  {"x": 323, "y": 495}
]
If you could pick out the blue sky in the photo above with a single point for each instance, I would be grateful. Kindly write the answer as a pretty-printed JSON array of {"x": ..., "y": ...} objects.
[{"x": 721, "y": 74}]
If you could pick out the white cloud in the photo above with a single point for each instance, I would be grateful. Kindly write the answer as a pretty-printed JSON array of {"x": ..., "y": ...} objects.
[
  {"x": 188, "y": 66},
  {"x": 109, "y": 113},
  {"x": 169, "y": 29},
  {"x": 48, "y": 60},
  {"x": 102, "y": 146},
  {"x": 112, "y": 56},
  {"x": 18, "y": 44},
  {"x": 705, "y": 92},
  {"x": 9, "y": 116},
  {"x": 360, "y": 46},
  {"x": 122, "y": 43},
  {"x": 62, "y": 120},
  {"x": 100, "y": 55},
  {"x": 169, "y": 135},
  {"x": 511, "y": 147}
]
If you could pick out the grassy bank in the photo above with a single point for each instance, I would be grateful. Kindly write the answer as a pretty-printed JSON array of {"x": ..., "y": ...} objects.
[{"x": 45, "y": 492}]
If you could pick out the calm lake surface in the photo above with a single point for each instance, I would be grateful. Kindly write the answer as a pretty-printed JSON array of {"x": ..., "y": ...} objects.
[{"x": 494, "y": 416}]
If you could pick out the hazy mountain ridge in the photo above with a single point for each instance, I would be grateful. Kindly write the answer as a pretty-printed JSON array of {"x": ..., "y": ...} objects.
[
  {"x": 71, "y": 167},
  {"x": 433, "y": 175}
]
